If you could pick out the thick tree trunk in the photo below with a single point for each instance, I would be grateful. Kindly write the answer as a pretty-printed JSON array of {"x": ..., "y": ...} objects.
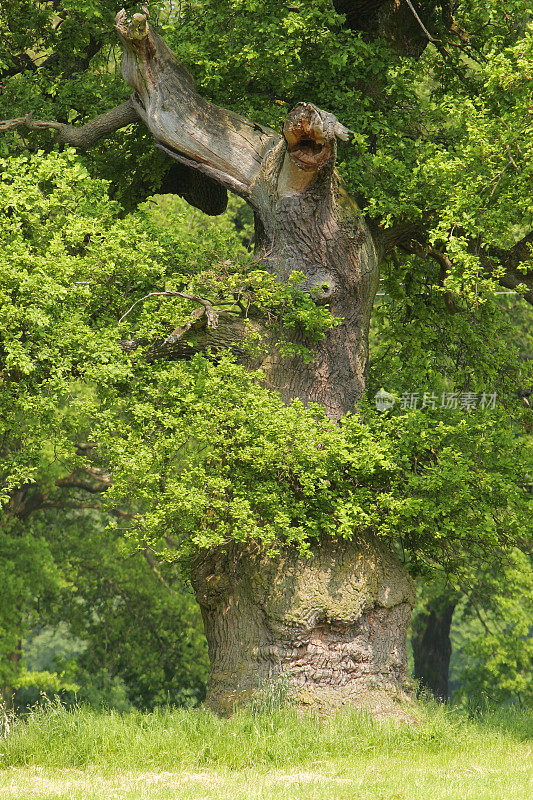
[
  {"x": 432, "y": 647},
  {"x": 310, "y": 225},
  {"x": 330, "y": 628}
]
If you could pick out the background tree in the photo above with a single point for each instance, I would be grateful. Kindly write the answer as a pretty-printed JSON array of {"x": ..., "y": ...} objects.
[
  {"x": 129, "y": 631},
  {"x": 450, "y": 609}
]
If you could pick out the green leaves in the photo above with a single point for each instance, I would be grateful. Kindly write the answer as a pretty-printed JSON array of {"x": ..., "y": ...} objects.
[
  {"x": 220, "y": 458},
  {"x": 200, "y": 452},
  {"x": 208, "y": 456}
]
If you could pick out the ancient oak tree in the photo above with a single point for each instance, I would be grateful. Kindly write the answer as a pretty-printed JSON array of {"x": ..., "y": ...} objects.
[
  {"x": 331, "y": 624},
  {"x": 335, "y": 624}
]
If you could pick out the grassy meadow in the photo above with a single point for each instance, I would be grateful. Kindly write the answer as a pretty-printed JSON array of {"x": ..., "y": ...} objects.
[{"x": 190, "y": 754}]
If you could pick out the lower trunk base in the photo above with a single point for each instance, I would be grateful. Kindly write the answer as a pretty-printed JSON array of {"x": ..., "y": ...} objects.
[{"x": 323, "y": 632}]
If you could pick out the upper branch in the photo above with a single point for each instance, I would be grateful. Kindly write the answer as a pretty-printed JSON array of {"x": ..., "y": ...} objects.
[
  {"x": 84, "y": 136},
  {"x": 411, "y": 239},
  {"x": 218, "y": 143}
]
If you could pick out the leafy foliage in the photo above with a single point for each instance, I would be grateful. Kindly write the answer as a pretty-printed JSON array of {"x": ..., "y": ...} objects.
[
  {"x": 200, "y": 450},
  {"x": 496, "y": 653},
  {"x": 443, "y": 142}
]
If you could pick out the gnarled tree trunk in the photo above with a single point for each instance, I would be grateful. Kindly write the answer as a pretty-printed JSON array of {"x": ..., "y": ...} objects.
[
  {"x": 329, "y": 630},
  {"x": 332, "y": 626}
]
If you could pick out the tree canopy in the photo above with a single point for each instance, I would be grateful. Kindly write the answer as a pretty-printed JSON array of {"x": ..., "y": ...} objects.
[{"x": 186, "y": 450}]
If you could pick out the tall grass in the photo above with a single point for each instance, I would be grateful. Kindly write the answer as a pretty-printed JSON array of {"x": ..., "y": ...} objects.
[{"x": 56, "y": 737}]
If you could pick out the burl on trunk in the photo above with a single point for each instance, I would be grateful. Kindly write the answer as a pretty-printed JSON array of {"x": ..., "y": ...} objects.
[
  {"x": 334, "y": 624},
  {"x": 328, "y": 629}
]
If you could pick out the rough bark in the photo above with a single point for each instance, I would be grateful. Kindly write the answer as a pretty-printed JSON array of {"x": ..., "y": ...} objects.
[
  {"x": 309, "y": 225},
  {"x": 328, "y": 629},
  {"x": 432, "y": 647}
]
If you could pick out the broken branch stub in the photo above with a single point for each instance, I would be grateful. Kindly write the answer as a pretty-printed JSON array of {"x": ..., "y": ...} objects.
[{"x": 188, "y": 127}]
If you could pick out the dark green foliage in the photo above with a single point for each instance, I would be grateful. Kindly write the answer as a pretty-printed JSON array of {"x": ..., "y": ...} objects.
[
  {"x": 129, "y": 630},
  {"x": 138, "y": 622}
]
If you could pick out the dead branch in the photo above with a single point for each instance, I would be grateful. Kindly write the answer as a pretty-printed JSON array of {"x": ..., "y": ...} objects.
[
  {"x": 190, "y": 129},
  {"x": 84, "y": 136}
]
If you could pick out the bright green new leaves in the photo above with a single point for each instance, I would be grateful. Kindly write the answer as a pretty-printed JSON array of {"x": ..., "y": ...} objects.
[
  {"x": 72, "y": 269},
  {"x": 50, "y": 209},
  {"x": 207, "y": 457},
  {"x": 200, "y": 453}
]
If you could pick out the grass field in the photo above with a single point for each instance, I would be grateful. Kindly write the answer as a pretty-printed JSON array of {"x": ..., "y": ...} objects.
[{"x": 182, "y": 755}]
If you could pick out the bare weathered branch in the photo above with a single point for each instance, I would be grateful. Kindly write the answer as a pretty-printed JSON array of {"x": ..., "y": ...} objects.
[
  {"x": 206, "y": 170},
  {"x": 85, "y": 135},
  {"x": 417, "y": 17},
  {"x": 191, "y": 129}
]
